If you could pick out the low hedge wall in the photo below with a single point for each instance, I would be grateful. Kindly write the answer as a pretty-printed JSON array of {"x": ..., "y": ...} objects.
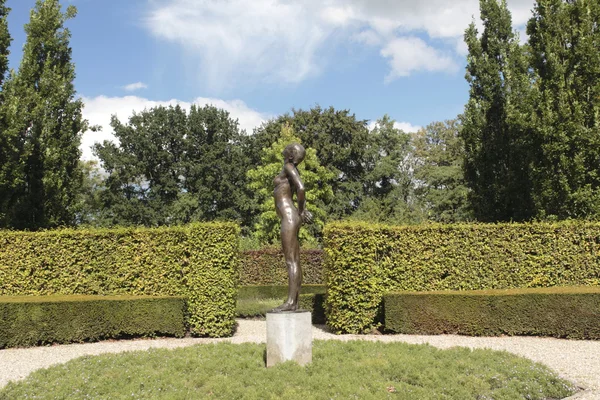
[
  {"x": 36, "y": 320},
  {"x": 255, "y": 301},
  {"x": 267, "y": 267},
  {"x": 562, "y": 312},
  {"x": 365, "y": 261},
  {"x": 197, "y": 261}
]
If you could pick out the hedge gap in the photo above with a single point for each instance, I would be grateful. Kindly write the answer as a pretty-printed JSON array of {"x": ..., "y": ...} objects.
[{"x": 267, "y": 267}]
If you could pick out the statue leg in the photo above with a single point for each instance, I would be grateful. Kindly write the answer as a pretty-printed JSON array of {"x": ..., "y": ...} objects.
[
  {"x": 294, "y": 275},
  {"x": 291, "y": 252}
]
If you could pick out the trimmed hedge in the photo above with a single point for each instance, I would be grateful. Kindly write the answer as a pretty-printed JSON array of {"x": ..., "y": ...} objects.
[
  {"x": 365, "y": 261},
  {"x": 36, "y": 320},
  {"x": 255, "y": 301},
  {"x": 562, "y": 312},
  {"x": 315, "y": 303},
  {"x": 198, "y": 262},
  {"x": 267, "y": 267}
]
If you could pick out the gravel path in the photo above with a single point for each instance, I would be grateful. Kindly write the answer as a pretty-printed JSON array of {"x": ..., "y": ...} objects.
[{"x": 575, "y": 360}]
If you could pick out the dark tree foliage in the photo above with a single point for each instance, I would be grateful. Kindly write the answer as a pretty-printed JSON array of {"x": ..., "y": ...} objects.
[
  {"x": 495, "y": 121},
  {"x": 385, "y": 160},
  {"x": 5, "y": 40},
  {"x": 388, "y": 183},
  {"x": 565, "y": 54},
  {"x": 173, "y": 167},
  {"x": 89, "y": 205},
  {"x": 7, "y": 156},
  {"x": 340, "y": 140},
  {"x": 439, "y": 179},
  {"x": 43, "y": 125}
]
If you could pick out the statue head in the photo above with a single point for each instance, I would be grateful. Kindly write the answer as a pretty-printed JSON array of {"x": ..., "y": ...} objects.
[{"x": 294, "y": 153}]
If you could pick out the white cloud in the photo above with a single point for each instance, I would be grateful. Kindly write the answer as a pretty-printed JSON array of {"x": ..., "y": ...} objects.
[
  {"x": 98, "y": 111},
  {"x": 523, "y": 36},
  {"x": 406, "y": 127},
  {"x": 338, "y": 16},
  {"x": 409, "y": 54},
  {"x": 461, "y": 47},
  {"x": 368, "y": 37},
  {"x": 235, "y": 39},
  {"x": 438, "y": 18},
  {"x": 135, "y": 86},
  {"x": 290, "y": 41}
]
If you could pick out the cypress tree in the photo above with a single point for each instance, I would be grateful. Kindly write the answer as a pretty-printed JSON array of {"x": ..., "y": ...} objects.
[{"x": 44, "y": 122}]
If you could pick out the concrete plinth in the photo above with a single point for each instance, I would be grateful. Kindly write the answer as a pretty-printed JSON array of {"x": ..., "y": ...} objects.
[{"x": 289, "y": 337}]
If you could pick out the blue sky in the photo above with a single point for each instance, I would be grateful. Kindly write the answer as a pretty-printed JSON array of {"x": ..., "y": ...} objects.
[{"x": 261, "y": 58}]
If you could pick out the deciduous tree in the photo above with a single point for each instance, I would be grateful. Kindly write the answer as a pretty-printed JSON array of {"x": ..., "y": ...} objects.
[
  {"x": 314, "y": 176},
  {"x": 7, "y": 156},
  {"x": 171, "y": 167},
  {"x": 5, "y": 40},
  {"x": 340, "y": 140},
  {"x": 388, "y": 180},
  {"x": 440, "y": 185}
]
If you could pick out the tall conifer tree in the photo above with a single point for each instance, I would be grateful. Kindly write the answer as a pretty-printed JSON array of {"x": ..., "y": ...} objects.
[
  {"x": 7, "y": 154},
  {"x": 494, "y": 129},
  {"x": 5, "y": 40},
  {"x": 565, "y": 44},
  {"x": 44, "y": 118}
]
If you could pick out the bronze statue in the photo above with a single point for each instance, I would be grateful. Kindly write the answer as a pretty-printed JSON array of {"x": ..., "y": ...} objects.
[{"x": 287, "y": 183}]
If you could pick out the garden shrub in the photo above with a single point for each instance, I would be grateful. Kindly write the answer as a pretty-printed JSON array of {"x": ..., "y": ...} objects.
[
  {"x": 563, "y": 312},
  {"x": 35, "y": 320},
  {"x": 197, "y": 261},
  {"x": 267, "y": 267},
  {"x": 365, "y": 261}
]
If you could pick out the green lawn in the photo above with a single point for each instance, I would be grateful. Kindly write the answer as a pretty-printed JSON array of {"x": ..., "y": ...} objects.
[{"x": 340, "y": 370}]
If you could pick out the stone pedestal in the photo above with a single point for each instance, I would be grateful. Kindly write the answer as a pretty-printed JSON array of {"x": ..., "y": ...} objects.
[{"x": 289, "y": 337}]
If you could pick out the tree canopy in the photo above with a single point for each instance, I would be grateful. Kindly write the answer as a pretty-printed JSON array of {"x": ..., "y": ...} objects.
[
  {"x": 526, "y": 147},
  {"x": 316, "y": 180},
  {"x": 339, "y": 139},
  {"x": 565, "y": 58},
  {"x": 173, "y": 167},
  {"x": 440, "y": 184}
]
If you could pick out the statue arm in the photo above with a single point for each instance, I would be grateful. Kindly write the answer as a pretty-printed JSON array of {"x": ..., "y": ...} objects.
[{"x": 294, "y": 177}]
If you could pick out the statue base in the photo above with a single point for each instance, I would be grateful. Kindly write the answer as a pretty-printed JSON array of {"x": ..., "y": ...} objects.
[{"x": 289, "y": 337}]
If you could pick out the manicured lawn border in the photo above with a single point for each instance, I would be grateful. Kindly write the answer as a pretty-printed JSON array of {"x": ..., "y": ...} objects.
[{"x": 340, "y": 370}]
